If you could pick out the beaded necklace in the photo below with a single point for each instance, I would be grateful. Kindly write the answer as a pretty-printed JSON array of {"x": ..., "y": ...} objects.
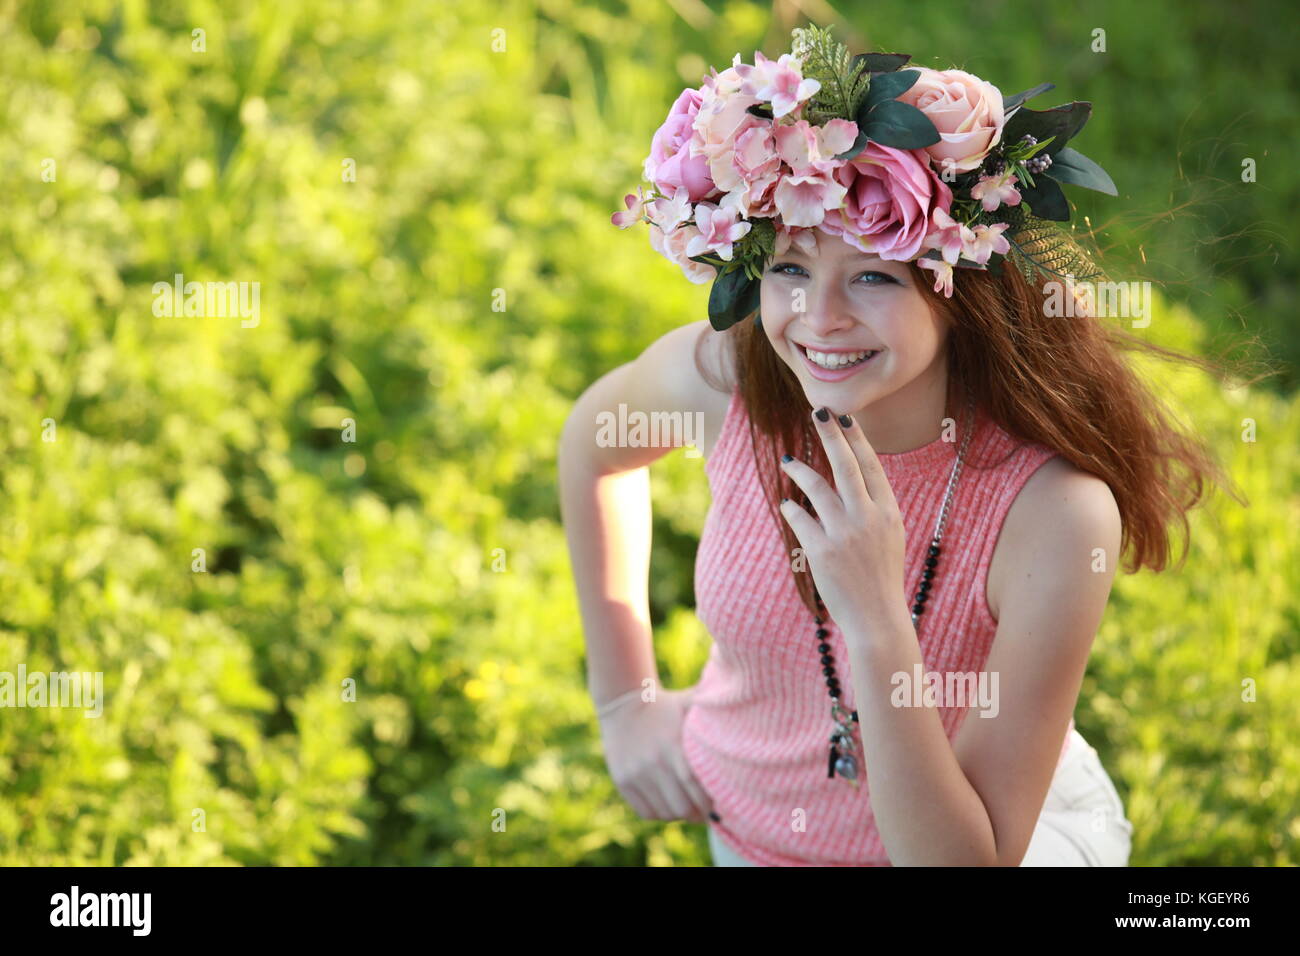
[{"x": 842, "y": 734}]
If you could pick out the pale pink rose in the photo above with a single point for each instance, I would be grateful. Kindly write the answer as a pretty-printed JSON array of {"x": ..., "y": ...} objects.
[
  {"x": 994, "y": 191},
  {"x": 891, "y": 197},
  {"x": 671, "y": 162},
  {"x": 672, "y": 246},
  {"x": 942, "y": 275},
  {"x": 719, "y": 227},
  {"x": 965, "y": 110}
]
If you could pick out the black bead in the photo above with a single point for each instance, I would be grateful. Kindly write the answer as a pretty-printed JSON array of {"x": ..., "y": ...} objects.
[
  {"x": 824, "y": 648},
  {"x": 925, "y": 586},
  {"x": 828, "y": 660},
  {"x": 934, "y": 550},
  {"x": 922, "y": 598},
  {"x": 822, "y": 632},
  {"x": 828, "y": 671},
  {"x": 819, "y": 621},
  {"x": 918, "y": 608},
  {"x": 931, "y": 562}
]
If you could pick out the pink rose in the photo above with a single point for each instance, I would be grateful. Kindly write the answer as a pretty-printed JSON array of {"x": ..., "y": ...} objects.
[
  {"x": 965, "y": 110},
  {"x": 892, "y": 195},
  {"x": 671, "y": 163}
]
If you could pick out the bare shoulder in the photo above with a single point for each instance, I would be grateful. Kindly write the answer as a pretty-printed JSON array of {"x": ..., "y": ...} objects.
[
  {"x": 1061, "y": 512},
  {"x": 708, "y": 359}
]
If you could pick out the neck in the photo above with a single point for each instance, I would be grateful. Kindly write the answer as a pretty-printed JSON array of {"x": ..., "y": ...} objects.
[{"x": 911, "y": 417}]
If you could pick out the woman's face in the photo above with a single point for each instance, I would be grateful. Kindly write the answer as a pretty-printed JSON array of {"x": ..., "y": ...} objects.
[{"x": 845, "y": 301}]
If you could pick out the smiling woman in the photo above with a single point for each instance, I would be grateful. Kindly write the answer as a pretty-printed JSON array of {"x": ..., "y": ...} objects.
[{"x": 919, "y": 469}]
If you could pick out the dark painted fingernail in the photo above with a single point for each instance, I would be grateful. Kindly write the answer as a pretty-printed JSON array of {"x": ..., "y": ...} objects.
[
  {"x": 823, "y": 414},
  {"x": 846, "y": 421},
  {"x": 714, "y": 817},
  {"x": 787, "y": 458}
]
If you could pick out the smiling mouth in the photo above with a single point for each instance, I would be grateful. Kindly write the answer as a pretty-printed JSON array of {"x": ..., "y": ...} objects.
[{"x": 834, "y": 361}]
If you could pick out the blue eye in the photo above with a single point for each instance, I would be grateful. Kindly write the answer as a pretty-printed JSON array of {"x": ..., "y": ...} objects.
[{"x": 883, "y": 277}]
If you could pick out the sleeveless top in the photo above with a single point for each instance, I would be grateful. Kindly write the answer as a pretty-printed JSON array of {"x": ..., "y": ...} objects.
[{"x": 757, "y": 735}]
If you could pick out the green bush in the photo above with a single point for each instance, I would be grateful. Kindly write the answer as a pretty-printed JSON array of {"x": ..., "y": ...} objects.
[{"x": 452, "y": 302}]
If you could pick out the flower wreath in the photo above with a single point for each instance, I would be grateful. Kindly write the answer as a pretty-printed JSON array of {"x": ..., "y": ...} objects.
[{"x": 909, "y": 164}]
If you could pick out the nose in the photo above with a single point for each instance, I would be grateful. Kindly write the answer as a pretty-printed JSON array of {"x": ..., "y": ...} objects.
[{"x": 828, "y": 311}]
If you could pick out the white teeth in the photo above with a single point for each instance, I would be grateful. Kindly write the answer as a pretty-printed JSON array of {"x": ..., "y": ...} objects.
[{"x": 837, "y": 359}]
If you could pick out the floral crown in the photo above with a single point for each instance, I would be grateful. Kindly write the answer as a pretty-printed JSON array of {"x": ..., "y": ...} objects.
[{"x": 910, "y": 164}]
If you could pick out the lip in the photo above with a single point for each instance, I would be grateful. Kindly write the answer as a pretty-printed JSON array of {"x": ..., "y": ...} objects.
[{"x": 826, "y": 375}]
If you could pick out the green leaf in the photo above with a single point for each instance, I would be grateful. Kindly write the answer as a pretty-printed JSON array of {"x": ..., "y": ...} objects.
[
  {"x": 1015, "y": 99},
  {"x": 882, "y": 62},
  {"x": 1046, "y": 199},
  {"x": 734, "y": 295},
  {"x": 899, "y": 125},
  {"x": 1061, "y": 122},
  {"x": 1071, "y": 166},
  {"x": 1044, "y": 247},
  {"x": 890, "y": 86}
]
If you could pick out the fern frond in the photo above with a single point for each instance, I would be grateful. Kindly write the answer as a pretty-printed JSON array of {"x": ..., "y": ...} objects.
[
  {"x": 1040, "y": 245},
  {"x": 843, "y": 83}
]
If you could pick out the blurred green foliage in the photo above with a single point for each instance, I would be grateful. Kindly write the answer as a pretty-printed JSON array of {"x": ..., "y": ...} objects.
[{"x": 487, "y": 178}]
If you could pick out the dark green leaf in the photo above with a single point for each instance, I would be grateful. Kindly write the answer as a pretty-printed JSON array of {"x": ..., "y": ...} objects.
[
  {"x": 1062, "y": 122},
  {"x": 734, "y": 295},
  {"x": 882, "y": 62},
  {"x": 1071, "y": 166},
  {"x": 1015, "y": 99},
  {"x": 1046, "y": 199},
  {"x": 890, "y": 86},
  {"x": 899, "y": 125}
]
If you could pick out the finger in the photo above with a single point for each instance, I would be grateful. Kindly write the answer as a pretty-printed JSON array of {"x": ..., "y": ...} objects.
[
  {"x": 844, "y": 463},
  {"x": 873, "y": 473},
  {"x": 807, "y": 530},
  {"x": 824, "y": 499}
]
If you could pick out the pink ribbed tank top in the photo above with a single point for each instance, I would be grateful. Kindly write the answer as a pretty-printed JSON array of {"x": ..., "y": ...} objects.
[{"x": 756, "y": 735}]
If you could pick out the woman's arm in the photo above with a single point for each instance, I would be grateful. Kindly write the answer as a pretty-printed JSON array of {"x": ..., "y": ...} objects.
[
  {"x": 977, "y": 800},
  {"x": 605, "y": 507}
]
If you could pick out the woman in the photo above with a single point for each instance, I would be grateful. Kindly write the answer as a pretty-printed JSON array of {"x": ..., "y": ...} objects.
[{"x": 871, "y": 439}]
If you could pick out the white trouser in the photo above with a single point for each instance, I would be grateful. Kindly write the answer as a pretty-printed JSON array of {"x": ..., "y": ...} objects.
[{"x": 1082, "y": 823}]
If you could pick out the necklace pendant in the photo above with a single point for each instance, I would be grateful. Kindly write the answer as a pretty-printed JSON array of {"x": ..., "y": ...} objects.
[{"x": 847, "y": 768}]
